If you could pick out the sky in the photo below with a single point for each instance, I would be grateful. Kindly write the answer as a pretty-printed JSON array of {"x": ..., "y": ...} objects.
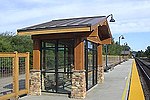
[{"x": 132, "y": 16}]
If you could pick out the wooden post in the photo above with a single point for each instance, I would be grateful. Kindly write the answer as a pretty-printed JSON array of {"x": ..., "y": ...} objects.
[
  {"x": 100, "y": 68},
  {"x": 16, "y": 74},
  {"x": 35, "y": 87},
  {"x": 36, "y": 54},
  {"x": 27, "y": 72},
  {"x": 79, "y": 54},
  {"x": 99, "y": 50},
  {"x": 78, "y": 76}
]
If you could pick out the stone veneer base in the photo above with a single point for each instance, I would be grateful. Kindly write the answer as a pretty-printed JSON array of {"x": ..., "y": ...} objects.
[
  {"x": 100, "y": 74},
  {"x": 35, "y": 82},
  {"x": 78, "y": 84}
]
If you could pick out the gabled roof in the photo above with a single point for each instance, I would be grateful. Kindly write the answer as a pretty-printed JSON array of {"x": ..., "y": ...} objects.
[
  {"x": 96, "y": 27},
  {"x": 66, "y": 23}
]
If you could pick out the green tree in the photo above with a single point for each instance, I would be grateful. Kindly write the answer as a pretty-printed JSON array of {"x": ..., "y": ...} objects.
[
  {"x": 10, "y": 42},
  {"x": 147, "y": 52}
]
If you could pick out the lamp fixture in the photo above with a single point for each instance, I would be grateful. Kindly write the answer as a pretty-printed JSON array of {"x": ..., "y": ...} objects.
[{"x": 112, "y": 19}]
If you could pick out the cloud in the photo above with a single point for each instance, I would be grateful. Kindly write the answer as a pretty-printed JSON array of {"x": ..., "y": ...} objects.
[{"x": 131, "y": 16}]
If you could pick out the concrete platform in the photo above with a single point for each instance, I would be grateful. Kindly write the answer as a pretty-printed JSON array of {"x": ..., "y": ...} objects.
[{"x": 113, "y": 88}]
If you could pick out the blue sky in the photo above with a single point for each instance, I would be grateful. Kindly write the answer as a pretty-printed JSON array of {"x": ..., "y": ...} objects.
[{"x": 132, "y": 16}]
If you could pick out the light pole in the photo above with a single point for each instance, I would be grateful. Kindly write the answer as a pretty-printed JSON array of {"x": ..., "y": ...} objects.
[
  {"x": 106, "y": 50},
  {"x": 120, "y": 37},
  {"x": 125, "y": 44}
]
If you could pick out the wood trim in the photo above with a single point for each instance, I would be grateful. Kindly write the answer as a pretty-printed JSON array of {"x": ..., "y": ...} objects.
[{"x": 50, "y": 31}]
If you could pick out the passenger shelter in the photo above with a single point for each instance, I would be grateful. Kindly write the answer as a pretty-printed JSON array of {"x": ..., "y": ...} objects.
[{"x": 67, "y": 54}]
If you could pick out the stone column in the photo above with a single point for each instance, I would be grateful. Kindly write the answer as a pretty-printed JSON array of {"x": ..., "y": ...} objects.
[
  {"x": 78, "y": 84},
  {"x": 35, "y": 82},
  {"x": 100, "y": 74}
]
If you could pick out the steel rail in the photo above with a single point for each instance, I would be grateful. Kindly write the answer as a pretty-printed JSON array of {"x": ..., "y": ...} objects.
[{"x": 142, "y": 65}]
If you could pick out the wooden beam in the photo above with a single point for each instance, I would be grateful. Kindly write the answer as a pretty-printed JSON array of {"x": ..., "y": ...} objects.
[
  {"x": 79, "y": 54},
  {"x": 94, "y": 39},
  {"x": 50, "y": 31},
  {"x": 106, "y": 41},
  {"x": 60, "y": 36},
  {"x": 94, "y": 32},
  {"x": 36, "y": 54}
]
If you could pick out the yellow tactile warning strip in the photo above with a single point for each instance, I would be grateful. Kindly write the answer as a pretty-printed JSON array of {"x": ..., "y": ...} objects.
[{"x": 136, "y": 91}]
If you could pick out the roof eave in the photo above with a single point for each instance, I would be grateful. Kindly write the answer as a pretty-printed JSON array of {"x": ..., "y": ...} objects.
[{"x": 54, "y": 30}]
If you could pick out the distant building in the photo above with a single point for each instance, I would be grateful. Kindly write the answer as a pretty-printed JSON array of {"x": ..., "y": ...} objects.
[{"x": 125, "y": 53}]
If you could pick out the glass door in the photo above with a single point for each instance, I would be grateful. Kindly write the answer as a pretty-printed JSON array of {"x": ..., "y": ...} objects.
[{"x": 56, "y": 65}]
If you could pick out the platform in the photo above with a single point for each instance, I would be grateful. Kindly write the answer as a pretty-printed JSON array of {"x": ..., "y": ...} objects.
[{"x": 115, "y": 86}]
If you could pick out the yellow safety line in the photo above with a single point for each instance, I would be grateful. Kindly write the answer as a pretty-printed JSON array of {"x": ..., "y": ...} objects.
[
  {"x": 126, "y": 87},
  {"x": 136, "y": 91}
]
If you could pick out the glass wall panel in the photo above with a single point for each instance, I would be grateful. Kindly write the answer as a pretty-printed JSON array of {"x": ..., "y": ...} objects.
[
  {"x": 95, "y": 77},
  {"x": 90, "y": 45},
  {"x": 64, "y": 83},
  {"x": 48, "y": 83},
  {"x": 48, "y": 61},
  {"x": 50, "y": 43},
  {"x": 61, "y": 59},
  {"x": 90, "y": 79},
  {"x": 90, "y": 60},
  {"x": 90, "y": 63}
]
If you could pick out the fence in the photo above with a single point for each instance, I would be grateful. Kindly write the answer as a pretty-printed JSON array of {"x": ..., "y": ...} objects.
[
  {"x": 14, "y": 75},
  {"x": 113, "y": 60}
]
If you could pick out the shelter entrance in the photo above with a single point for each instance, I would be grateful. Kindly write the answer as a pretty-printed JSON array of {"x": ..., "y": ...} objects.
[{"x": 56, "y": 65}]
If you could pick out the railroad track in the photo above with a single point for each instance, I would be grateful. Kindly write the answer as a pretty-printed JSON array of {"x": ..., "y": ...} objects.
[{"x": 144, "y": 73}]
